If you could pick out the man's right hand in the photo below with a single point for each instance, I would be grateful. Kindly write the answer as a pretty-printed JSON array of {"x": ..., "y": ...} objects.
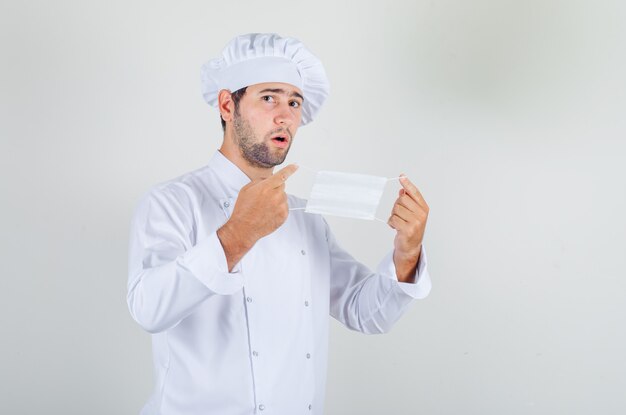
[{"x": 260, "y": 209}]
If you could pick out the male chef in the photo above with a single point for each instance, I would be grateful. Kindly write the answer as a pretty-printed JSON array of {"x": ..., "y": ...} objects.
[{"x": 235, "y": 287}]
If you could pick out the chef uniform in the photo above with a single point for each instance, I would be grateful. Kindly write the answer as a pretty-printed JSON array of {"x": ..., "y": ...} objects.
[{"x": 253, "y": 340}]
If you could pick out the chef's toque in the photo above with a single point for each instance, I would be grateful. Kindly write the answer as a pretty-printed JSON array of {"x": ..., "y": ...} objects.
[{"x": 266, "y": 57}]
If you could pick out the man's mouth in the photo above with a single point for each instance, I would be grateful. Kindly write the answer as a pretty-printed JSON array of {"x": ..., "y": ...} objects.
[{"x": 280, "y": 141}]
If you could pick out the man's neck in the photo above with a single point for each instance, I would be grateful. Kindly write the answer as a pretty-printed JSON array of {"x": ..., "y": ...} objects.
[{"x": 235, "y": 156}]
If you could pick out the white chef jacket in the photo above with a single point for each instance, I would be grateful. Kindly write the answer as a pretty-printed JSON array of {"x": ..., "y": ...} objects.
[{"x": 254, "y": 340}]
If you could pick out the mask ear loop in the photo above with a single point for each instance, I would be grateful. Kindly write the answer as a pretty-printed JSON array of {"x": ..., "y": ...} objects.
[
  {"x": 300, "y": 166},
  {"x": 389, "y": 179}
]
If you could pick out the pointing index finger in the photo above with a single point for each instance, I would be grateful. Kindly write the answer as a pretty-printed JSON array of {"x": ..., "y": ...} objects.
[{"x": 282, "y": 175}]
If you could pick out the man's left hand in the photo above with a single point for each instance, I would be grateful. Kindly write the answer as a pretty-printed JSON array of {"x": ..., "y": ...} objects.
[{"x": 408, "y": 218}]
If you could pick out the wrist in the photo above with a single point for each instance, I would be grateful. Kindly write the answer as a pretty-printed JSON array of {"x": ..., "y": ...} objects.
[
  {"x": 406, "y": 264},
  {"x": 408, "y": 256},
  {"x": 231, "y": 234}
]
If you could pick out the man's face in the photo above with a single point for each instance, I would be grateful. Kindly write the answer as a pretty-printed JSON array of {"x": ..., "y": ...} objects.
[{"x": 266, "y": 122}]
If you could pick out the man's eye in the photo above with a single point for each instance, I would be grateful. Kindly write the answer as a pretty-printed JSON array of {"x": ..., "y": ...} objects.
[
  {"x": 295, "y": 104},
  {"x": 268, "y": 98}
]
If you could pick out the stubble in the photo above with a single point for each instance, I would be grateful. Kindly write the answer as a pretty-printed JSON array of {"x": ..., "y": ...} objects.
[{"x": 256, "y": 152}]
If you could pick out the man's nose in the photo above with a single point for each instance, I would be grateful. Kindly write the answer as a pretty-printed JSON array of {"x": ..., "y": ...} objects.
[{"x": 284, "y": 116}]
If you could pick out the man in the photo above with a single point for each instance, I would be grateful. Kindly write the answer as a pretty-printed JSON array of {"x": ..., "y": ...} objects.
[{"x": 235, "y": 288}]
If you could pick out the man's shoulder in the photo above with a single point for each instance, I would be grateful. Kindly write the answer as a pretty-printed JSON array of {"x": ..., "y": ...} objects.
[
  {"x": 295, "y": 201},
  {"x": 183, "y": 187},
  {"x": 191, "y": 178}
]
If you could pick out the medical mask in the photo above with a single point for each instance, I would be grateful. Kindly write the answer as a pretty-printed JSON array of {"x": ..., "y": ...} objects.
[{"x": 347, "y": 195}]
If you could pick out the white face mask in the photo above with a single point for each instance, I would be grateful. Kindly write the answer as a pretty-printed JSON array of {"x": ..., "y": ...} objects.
[{"x": 348, "y": 195}]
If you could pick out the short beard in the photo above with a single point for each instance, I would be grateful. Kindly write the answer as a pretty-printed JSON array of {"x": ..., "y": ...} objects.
[{"x": 258, "y": 154}]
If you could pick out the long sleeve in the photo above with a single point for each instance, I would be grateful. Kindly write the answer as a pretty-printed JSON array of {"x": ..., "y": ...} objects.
[
  {"x": 366, "y": 301},
  {"x": 170, "y": 273}
]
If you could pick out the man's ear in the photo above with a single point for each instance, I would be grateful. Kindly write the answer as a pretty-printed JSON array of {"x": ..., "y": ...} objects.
[{"x": 226, "y": 105}]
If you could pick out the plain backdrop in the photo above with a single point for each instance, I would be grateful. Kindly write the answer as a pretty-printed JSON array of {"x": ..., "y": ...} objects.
[{"x": 508, "y": 115}]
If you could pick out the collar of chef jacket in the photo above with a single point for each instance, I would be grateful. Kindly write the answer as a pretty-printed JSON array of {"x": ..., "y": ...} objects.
[{"x": 228, "y": 172}]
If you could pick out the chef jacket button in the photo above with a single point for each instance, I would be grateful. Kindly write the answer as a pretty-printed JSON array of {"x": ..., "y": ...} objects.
[
  {"x": 249, "y": 299},
  {"x": 306, "y": 303},
  {"x": 310, "y": 407},
  {"x": 303, "y": 252},
  {"x": 255, "y": 353},
  {"x": 308, "y": 355},
  {"x": 226, "y": 204},
  {"x": 261, "y": 407}
]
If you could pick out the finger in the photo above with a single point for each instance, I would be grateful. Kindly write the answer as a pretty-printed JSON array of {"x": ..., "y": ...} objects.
[
  {"x": 396, "y": 222},
  {"x": 274, "y": 192},
  {"x": 412, "y": 190},
  {"x": 403, "y": 213},
  {"x": 409, "y": 203},
  {"x": 281, "y": 176}
]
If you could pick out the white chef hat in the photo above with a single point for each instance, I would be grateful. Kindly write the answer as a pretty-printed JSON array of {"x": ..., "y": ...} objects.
[{"x": 266, "y": 57}]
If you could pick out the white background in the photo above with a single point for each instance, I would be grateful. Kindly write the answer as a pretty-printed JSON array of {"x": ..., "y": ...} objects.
[{"x": 509, "y": 115}]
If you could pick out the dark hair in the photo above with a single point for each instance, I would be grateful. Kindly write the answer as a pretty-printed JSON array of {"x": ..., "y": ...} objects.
[{"x": 236, "y": 96}]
